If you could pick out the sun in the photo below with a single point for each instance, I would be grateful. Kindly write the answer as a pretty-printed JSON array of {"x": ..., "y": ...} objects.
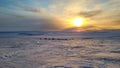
[{"x": 78, "y": 22}]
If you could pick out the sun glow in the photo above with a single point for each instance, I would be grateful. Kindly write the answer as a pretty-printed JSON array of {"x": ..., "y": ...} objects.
[{"x": 78, "y": 22}]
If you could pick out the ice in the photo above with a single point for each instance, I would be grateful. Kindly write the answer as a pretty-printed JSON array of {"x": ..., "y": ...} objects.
[{"x": 60, "y": 52}]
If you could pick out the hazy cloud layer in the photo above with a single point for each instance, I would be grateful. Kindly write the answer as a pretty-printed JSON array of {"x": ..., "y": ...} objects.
[
  {"x": 32, "y": 24},
  {"x": 90, "y": 13},
  {"x": 30, "y": 9}
]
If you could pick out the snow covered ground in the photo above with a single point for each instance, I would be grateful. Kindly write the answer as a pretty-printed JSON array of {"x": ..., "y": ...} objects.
[{"x": 81, "y": 51}]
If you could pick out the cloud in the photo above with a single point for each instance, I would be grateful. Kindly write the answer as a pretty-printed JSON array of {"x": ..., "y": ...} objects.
[
  {"x": 90, "y": 13},
  {"x": 32, "y": 9}
]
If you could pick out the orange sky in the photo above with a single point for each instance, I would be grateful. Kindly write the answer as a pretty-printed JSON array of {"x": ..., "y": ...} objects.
[{"x": 55, "y": 15}]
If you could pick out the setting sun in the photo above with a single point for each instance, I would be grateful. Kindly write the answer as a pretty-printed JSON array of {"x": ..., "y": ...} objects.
[{"x": 78, "y": 22}]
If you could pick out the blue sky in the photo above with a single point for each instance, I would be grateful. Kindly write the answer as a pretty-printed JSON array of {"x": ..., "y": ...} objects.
[{"x": 50, "y": 15}]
